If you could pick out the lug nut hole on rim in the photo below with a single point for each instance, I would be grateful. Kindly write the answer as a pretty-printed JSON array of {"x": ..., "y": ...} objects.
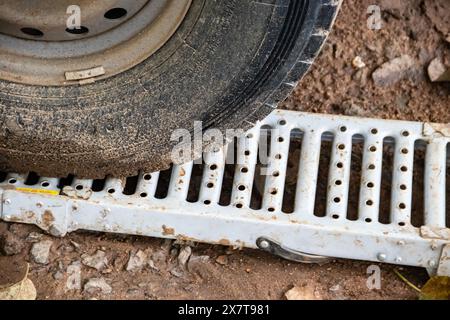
[
  {"x": 116, "y": 13},
  {"x": 32, "y": 32},
  {"x": 78, "y": 31}
]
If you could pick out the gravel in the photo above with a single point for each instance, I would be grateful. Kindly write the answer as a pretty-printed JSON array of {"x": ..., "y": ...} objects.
[{"x": 40, "y": 251}]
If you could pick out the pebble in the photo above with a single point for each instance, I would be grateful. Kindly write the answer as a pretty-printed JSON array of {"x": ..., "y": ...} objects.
[
  {"x": 157, "y": 260},
  {"x": 358, "y": 63},
  {"x": 97, "y": 285},
  {"x": 152, "y": 265},
  {"x": 393, "y": 71},
  {"x": 96, "y": 261},
  {"x": 336, "y": 288},
  {"x": 222, "y": 260},
  {"x": 34, "y": 237},
  {"x": 10, "y": 244},
  {"x": 134, "y": 292},
  {"x": 136, "y": 261},
  {"x": 58, "y": 275},
  {"x": 438, "y": 72},
  {"x": 184, "y": 255},
  {"x": 74, "y": 276},
  {"x": 196, "y": 263},
  {"x": 40, "y": 251},
  {"x": 302, "y": 293},
  {"x": 75, "y": 244},
  {"x": 176, "y": 272}
]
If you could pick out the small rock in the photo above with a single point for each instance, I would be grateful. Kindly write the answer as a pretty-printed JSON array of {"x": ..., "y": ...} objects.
[
  {"x": 222, "y": 260},
  {"x": 173, "y": 253},
  {"x": 134, "y": 292},
  {"x": 177, "y": 272},
  {"x": 66, "y": 248},
  {"x": 74, "y": 276},
  {"x": 58, "y": 275},
  {"x": 337, "y": 292},
  {"x": 96, "y": 261},
  {"x": 158, "y": 260},
  {"x": 40, "y": 251},
  {"x": 438, "y": 72},
  {"x": 34, "y": 237},
  {"x": 120, "y": 261},
  {"x": 184, "y": 255},
  {"x": 75, "y": 244},
  {"x": 137, "y": 261},
  {"x": 196, "y": 262},
  {"x": 335, "y": 288},
  {"x": 97, "y": 285},
  {"x": 358, "y": 63},
  {"x": 17, "y": 229},
  {"x": 167, "y": 245},
  {"x": 303, "y": 293},
  {"x": 152, "y": 265},
  {"x": 393, "y": 71},
  {"x": 10, "y": 244},
  {"x": 107, "y": 271}
]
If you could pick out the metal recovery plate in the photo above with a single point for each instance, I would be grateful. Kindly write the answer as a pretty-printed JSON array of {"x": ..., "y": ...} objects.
[{"x": 332, "y": 186}]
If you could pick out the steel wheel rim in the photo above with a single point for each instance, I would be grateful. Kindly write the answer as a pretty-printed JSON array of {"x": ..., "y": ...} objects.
[{"x": 48, "y": 53}]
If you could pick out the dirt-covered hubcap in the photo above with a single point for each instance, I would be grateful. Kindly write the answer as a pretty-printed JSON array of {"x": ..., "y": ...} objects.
[{"x": 64, "y": 42}]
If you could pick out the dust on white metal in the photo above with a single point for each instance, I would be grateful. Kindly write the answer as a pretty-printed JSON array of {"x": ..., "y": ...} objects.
[{"x": 301, "y": 232}]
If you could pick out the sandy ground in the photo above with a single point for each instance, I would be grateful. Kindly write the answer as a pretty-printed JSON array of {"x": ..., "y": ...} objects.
[{"x": 213, "y": 272}]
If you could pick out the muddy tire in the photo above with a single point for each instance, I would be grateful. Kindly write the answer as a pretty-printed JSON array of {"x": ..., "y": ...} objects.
[{"x": 228, "y": 64}]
